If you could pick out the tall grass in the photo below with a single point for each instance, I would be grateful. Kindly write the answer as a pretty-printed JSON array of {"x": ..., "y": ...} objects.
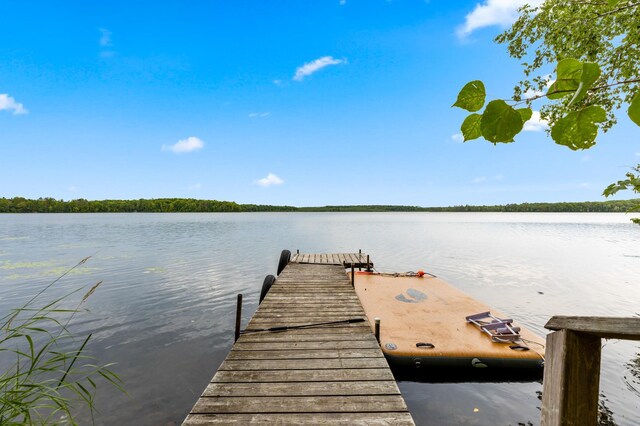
[{"x": 49, "y": 375}]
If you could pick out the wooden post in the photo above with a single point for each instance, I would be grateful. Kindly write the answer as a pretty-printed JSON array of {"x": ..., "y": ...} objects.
[
  {"x": 571, "y": 379},
  {"x": 377, "y": 329},
  {"x": 368, "y": 264},
  {"x": 353, "y": 276},
  {"x": 238, "y": 316}
]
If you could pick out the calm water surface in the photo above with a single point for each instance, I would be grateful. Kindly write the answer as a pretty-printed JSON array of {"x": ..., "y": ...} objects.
[{"x": 165, "y": 312}]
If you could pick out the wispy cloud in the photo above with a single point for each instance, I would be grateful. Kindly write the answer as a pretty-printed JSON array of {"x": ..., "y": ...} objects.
[
  {"x": 535, "y": 123},
  {"x": 105, "y": 43},
  {"x": 457, "y": 137},
  {"x": 189, "y": 144},
  {"x": 343, "y": 2},
  {"x": 105, "y": 37},
  {"x": 493, "y": 12},
  {"x": 530, "y": 93},
  {"x": 277, "y": 82},
  {"x": 271, "y": 179},
  {"x": 195, "y": 187},
  {"x": 481, "y": 179},
  {"x": 7, "y": 103},
  {"x": 259, "y": 114},
  {"x": 313, "y": 66}
]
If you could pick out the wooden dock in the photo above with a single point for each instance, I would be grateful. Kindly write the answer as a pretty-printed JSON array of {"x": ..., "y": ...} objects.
[{"x": 329, "y": 374}]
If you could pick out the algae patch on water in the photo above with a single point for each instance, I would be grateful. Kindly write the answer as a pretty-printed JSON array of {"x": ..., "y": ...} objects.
[
  {"x": 154, "y": 270},
  {"x": 9, "y": 265},
  {"x": 33, "y": 270}
]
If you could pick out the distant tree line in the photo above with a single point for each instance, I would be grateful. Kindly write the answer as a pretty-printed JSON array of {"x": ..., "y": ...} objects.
[{"x": 184, "y": 205}]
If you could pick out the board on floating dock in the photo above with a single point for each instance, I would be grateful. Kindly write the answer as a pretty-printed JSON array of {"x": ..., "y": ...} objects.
[
  {"x": 332, "y": 374},
  {"x": 357, "y": 260}
]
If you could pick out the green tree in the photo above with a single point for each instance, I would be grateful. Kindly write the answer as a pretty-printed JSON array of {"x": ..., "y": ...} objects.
[{"x": 593, "y": 49}]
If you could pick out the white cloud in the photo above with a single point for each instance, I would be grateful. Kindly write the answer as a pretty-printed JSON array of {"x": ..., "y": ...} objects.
[
  {"x": 493, "y": 12},
  {"x": 259, "y": 114},
  {"x": 277, "y": 82},
  {"x": 637, "y": 154},
  {"x": 195, "y": 187},
  {"x": 271, "y": 179},
  {"x": 10, "y": 104},
  {"x": 530, "y": 93},
  {"x": 536, "y": 124},
  {"x": 189, "y": 144},
  {"x": 313, "y": 66},
  {"x": 457, "y": 137},
  {"x": 105, "y": 37},
  {"x": 72, "y": 188},
  {"x": 481, "y": 179}
]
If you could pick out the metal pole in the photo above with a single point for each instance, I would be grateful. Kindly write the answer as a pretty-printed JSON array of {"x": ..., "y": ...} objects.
[
  {"x": 353, "y": 275},
  {"x": 368, "y": 264},
  {"x": 377, "y": 329},
  {"x": 238, "y": 316}
]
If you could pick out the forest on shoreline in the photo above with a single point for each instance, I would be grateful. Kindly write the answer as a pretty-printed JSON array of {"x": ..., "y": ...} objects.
[{"x": 190, "y": 205}]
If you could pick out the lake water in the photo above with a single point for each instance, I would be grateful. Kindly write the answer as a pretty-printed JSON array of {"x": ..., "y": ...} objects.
[{"x": 165, "y": 311}]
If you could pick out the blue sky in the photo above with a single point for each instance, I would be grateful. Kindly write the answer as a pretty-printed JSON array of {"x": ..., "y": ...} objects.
[{"x": 283, "y": 102}]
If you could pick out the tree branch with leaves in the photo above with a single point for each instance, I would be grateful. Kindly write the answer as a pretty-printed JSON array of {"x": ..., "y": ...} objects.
[{"x": 593, "y": 49}]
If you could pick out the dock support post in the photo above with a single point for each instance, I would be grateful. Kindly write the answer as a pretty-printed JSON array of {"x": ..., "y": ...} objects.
[
  {"x": 377, "y": 329},
  {"x": 353, "y": 276},
  {"x": 571, "y": 379},
  {"x": 238, "y": 317},
  {"x": 368, "y": 264}
]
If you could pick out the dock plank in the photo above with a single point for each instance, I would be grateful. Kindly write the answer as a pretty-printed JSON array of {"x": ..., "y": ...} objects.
[
  {"x": 374, "y": 387},
  {"x": 299, "y": 404},
  {"x": 356, "y": 419}
]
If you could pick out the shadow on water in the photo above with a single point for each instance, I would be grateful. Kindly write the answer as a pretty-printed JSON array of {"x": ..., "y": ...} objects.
[{"x": 468, "y": 375}]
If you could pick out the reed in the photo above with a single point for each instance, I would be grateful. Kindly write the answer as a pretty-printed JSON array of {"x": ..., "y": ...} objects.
[{"x": 49, "y": 377}]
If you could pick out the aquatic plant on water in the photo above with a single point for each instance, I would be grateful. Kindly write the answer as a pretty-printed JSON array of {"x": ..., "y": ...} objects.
[{"x": 48, "y": 376}]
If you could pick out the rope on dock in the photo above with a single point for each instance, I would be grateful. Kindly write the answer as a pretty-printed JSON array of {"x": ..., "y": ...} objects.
[{"x": 294, "y": 327}]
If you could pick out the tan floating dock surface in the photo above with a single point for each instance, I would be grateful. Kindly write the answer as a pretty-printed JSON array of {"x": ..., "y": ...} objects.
[{"x": 331, "y": 374}]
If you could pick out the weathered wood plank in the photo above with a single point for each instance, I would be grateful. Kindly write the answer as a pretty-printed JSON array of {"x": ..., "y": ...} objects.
[
  {"x": 297, "y": 404},
  {"x": 308, "y": 354},
  {"x": 303, "y": 364},
  {"x": 298, "y": 345},
  {"x": 291, "y": 375},
  {"x": 303, "y": 388},
  {"x": 350, "y": 329},
  {"x": 288, "y": 337},
  {"x": 285, "y": 419},
  {"x": 603, "y": 327}
]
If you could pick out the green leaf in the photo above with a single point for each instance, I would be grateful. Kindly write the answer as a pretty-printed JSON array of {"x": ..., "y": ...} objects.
[
  {"x": 525, "y": 113},
  {"x": 613, "y": 2},
  {"x": 500, "y": 122},
  {"x": 634, "y": 109},
  {"x": 472, "y": 96},
  {"x": 590, "y": 74},
  {"x": 471, "y": 127},
  {"x": 577, "y": 130},
  {"x": 569, "y": 72}
]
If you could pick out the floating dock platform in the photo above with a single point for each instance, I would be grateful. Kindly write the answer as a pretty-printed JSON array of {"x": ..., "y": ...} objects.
[{"x": 306, "y": 371}]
